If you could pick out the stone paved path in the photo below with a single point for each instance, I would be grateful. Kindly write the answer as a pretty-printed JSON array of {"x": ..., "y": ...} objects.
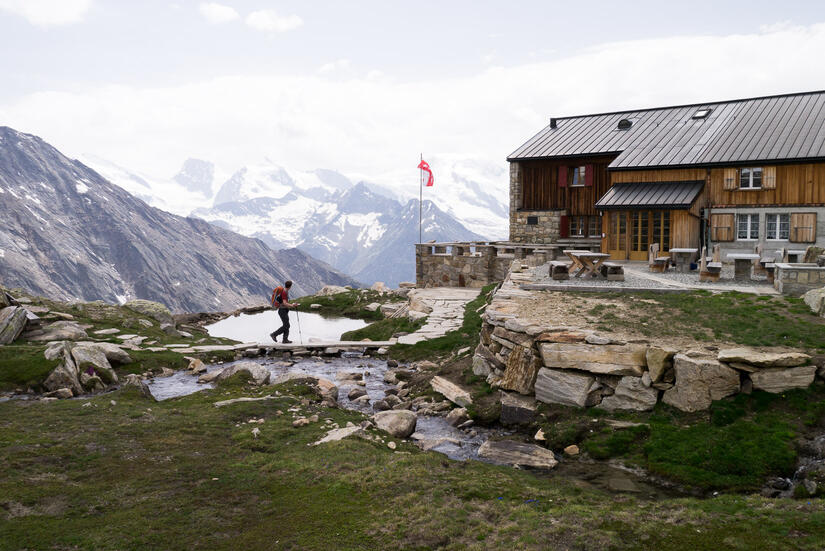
[{"x": 447, "y": 314}]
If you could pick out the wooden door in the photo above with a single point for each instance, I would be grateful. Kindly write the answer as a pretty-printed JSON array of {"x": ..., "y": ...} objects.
[
  {"x": 639, "y": 234},
  {"x": 617, "y": 235}
]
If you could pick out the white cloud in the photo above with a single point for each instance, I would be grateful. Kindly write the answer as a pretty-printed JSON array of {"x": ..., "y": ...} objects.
[
  {"x": 272, "y": 21},
  {"x": 335, "y": 67},
  {"x": 48, "y": 13},
  {"x": 377, "y": 127},
  {"x": 218, "y": 13}
]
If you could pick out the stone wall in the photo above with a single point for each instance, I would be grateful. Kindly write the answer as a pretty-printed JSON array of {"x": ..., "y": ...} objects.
[
  {"x": 471, "y": 264},
  {"x": 797, "y": 279},
  {"x": 540, "y": 226},
  {"x": 581, "y": 368}
]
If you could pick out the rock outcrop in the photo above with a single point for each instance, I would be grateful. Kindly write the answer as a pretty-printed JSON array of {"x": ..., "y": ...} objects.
[
  {"x": 12, "y": 323},
  {"x": 510, "y": 452},
  {"x": 399, "y": 423}
]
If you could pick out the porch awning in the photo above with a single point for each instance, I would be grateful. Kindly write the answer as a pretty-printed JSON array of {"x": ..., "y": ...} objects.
[{"x": 651, "y": 195}]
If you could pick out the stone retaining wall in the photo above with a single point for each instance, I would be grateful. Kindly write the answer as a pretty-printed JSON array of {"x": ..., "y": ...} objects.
[
  {"x": 798, "y": 279},
  {"x": 540, "y": 226},
  {"x": 472, "y": 264},
  {"x": 580, "y": 368}
]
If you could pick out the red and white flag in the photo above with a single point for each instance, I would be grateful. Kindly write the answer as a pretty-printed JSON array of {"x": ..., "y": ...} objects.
[{"x": 423, "y": 165}]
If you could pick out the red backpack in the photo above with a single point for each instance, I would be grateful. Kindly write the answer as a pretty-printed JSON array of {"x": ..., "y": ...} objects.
[{"x": 277, "y": 295}]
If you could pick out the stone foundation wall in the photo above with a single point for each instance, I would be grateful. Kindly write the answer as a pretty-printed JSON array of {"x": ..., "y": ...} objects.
[
  {"x": 547, "y": 223},
  {"x": 797, "y": 279},
  {"x": 581, "y": 368},
  {"x": 471, "y": 264}
]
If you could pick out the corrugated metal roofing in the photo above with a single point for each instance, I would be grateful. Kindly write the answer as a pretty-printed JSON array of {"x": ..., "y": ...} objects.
[
  {"x": 660, "y": 195},
  {"x": 775, "y": 128}
]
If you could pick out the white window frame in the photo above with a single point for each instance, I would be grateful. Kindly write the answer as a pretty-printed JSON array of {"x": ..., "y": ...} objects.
[
  {"x": 751, "y": 171},
  {"x": 751, "y": 227},
  {"x": 579, "y": 176},
  {"x": 777, "y": 218},
  {"x": 577, "y": 222}
]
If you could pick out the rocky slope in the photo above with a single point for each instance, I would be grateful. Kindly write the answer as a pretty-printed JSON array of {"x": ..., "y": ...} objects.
[{"x": 66, "y": 232}]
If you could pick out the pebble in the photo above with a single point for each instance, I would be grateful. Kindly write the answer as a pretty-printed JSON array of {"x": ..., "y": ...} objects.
[{"x": 391, "y": 445}]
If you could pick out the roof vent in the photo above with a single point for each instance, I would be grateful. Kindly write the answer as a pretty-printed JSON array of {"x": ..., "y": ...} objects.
[
  {"x": 553, "y": 122},
  {"x": 702, "y": 113},
  {"x": 625, "y": 124}
]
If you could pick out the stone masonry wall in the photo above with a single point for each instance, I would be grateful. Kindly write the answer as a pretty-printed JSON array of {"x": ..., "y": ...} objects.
[
  {"x": 547, "y": 228},
  {"x": 458, "y": 267},
  {"x": 797, "y": 279},
  {"x": 581, "y": 368}
]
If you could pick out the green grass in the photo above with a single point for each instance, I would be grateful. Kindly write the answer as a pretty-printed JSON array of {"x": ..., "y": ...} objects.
[
  {"x": 467, "y": 335},
  {"x": 349, "y": 304},
  {"x": 183, "y": 474},
  {"x": 383, "y": 330},
  {"x": 23, "y": 365},
  {"x": 741, "y": 318}
]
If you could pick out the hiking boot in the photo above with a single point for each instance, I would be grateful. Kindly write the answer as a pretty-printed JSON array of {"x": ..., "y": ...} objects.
[
  {"x": 273, "y": 336},
  {"x": 286, "y": 341}
]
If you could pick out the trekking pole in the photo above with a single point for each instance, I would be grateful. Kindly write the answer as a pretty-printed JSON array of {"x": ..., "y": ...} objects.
[{"x": 298, "y": 318}]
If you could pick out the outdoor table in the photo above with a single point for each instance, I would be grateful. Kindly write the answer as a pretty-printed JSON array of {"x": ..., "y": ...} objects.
[
  {"x": 742, "y": 265},
  {"x": 586, "y": 262},
  {"x": 683, "y": 257}
]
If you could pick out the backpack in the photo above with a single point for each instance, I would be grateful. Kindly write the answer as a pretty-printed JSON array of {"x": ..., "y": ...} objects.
[{"x": 277, "y": 295}]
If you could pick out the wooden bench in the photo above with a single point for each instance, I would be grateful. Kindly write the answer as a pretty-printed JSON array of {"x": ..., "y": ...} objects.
[
  {"x": 710, "y": 268},
  {"x": 612, "y": 271},
  {"x": 655, "y": 262},
  {"x": 559, "y": 270}
]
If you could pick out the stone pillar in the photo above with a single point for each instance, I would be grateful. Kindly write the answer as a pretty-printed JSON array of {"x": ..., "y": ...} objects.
[{"x": 515, "y": 198}]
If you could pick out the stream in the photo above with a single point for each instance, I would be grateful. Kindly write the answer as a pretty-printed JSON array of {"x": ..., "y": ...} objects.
[{"x": 305, "y": 327}]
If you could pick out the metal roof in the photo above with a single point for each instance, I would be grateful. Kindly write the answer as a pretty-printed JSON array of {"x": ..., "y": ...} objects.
[
  {"x": 782, "y": 128},
  {"x": 659, "y": 195}
]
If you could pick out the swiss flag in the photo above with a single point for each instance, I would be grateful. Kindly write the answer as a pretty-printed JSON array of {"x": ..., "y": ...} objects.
[{"x": 423, "y": 165}]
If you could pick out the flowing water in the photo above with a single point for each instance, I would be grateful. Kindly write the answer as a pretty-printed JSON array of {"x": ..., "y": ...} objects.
[{"x": 305, "y": 327}]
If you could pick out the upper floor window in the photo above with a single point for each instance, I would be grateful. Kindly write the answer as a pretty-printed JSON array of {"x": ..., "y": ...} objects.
[
  {"x": 750, "y": 178},
  {"x": 579, "y": 176}
]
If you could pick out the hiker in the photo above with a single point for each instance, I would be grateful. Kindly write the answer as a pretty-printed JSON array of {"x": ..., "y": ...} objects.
[{"x": 280, "y": 300}]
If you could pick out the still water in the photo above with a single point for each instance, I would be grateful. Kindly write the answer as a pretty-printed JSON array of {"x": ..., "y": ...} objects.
[{"x": 305, "y": 327}]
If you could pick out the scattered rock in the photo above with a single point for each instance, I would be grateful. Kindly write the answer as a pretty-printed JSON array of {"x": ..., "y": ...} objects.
[
  {"x": 316, "y": 306},
  {"x": 60, "y": 393},
  {"x": 93, "y": 361},
  {"x": 457, "y": 416},
  {"x": 113, "y": 352},
  {"x": 763, "y": 359},
  {"x": 349, "y": 376},
  {"x": 571, "y": 450},
  {"x": 339, "y": 434},
  {"x": 391, "y": 445},
  {"x": 815, "y": 299},
  {"x": 112, "y": 331},
  {"x": 372, "y": 307},
  {"x": 223, "y": 403},
  {"x": 154, "y": 310},
  {"x": 451, "y": 391},
  {"x": 539, "y": 436},
  {"x": 779, "y": 380},
  {"x": 356, "y": 393},
  {"x": 196, "y": 366},
  {"x": 59, "y": 331},
  {"x": 300, "y": 422},
  {"x": 392, "y": 363},
  {"x": 328, "y": 290},
  {"x": 398, "y": 423},
  {"x": 258, "y": 374},
  {"x": 511, "y": 452}
]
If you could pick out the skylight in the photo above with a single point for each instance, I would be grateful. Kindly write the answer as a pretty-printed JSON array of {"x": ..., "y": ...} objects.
[{"x": 701, "y": 114}]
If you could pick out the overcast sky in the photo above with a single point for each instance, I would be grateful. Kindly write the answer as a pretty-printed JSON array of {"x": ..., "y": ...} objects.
[{"x": 365, "y": 86}]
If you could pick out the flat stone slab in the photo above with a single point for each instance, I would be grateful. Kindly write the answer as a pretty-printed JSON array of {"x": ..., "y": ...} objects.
[
  {"x": 510, "y": 452},
  {"x": 763, "y": 359},
  {"x": 339, "y": 434}
]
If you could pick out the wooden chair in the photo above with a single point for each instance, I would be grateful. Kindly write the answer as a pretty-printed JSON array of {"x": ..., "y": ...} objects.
[
  {"x": 655, "y": 262},
  {"x": 709, "y": 271}
]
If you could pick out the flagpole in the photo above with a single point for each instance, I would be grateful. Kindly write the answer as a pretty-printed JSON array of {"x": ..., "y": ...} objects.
[{"x": 420, "y": 196}]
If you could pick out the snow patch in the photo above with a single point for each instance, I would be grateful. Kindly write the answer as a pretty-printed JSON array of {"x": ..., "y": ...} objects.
[
  {"x": 81, "y": 187},
  {"x": 122, "y": 299}
]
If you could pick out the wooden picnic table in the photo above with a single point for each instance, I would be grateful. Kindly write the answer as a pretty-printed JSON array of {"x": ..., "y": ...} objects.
[
  {"x": 586, "y": 262},
  {"x": 742, "y": 263},
  {"x": 682, "y": 257}
]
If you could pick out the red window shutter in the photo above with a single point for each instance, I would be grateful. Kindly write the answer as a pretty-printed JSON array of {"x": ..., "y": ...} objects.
[
  {"x": 588, "y": 176},
  {"x": 562, "y": 176},
  {"x": 564, "y": 223}
]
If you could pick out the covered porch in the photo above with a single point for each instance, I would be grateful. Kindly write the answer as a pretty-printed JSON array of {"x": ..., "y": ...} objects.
[{"x": 638, "y": 214}]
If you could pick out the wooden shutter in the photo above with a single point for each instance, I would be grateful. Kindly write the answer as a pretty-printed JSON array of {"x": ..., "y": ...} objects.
[
  {"x": 588, "y": 175},
  {"x": 803, "y": 227},
  {"x": 562, "y": 176},
  {"x": 564, "y": 226},
  {"x": 731, "y": 179},
  {"x": 769, "y": 177},
  {"x": 721, "y": 227}
]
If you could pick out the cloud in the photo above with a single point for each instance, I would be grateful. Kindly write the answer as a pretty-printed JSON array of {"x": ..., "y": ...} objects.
[
  {"x": 271, "y": 21},
  {"x": 377, "y": 127},
  {"x": 218, "y": 13},
  {"x": 48, "y": 13},
  {"x": 336, "y": 66}
]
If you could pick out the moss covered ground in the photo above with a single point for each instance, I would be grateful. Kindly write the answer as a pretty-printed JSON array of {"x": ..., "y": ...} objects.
[
  {"x": 350, "y": 304},
  {"x": 183, "y": 474}
]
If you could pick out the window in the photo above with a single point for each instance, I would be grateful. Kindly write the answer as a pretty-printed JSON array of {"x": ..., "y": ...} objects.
[
  {"x": 701, "y": 113},
  {"x": 750, "y": 178},
  {"x": 579, "y": 176},
  {"x": 594, "y": 227},
  {"x": 576, "y": 226},
  {"x": 585, "y": 226},
  {"x": 778, "y": 226},
  {"x": 747, "y": 227}
]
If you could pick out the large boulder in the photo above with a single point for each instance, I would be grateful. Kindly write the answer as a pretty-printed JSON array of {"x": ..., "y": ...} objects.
[
  {"x": 601, "y": 359},
  {"x": 328, "y": 290},
  {"x": 113, "y": 352},
  {"x": 154, "y": 310},
  {"x": 779, "y": 380},
  {"x": 399, "y": 422},
  {"x": 557, "y": 386},
  {"x": 762, "y": 359},
  {"x": 12, "y": 323},
  {"x": 64, "y": 375},
  {"x": 658, "y": 360},
  {"x": 700, "y": 381},
  {"x": 631, "y": 394},
  {"x": 380, "y": 287},
  {"x": 257, "y": 373},
  {"x": 520, "y": 373},
  {"x": 510, "y": 452},
  {"x": 815, "y": 299},
  {"x": 59, "y": 331},
  {"x": 92, "y": 360}
]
